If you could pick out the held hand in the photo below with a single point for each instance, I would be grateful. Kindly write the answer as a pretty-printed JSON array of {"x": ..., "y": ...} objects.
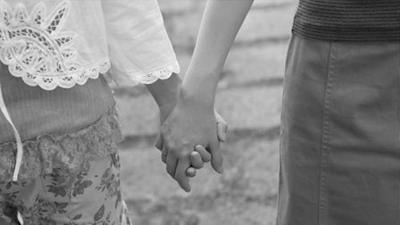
[
  {"x": 222, "y": 127},
  {"x": 188, "y": 125},
  {"x": 200, "y": 155},
  {"x": 197, "y": 159}
]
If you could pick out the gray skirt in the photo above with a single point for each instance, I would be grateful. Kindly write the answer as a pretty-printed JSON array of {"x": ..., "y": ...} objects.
[{"x": 340, "y": 135}]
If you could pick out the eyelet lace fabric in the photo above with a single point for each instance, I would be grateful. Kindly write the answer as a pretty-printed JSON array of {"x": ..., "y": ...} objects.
[
  {"x": 70, "y": 151},
  {"x": 36, "y": 48}
]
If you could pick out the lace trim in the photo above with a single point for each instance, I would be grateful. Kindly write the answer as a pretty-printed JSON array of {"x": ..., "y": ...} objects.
[
  {"x": 35, "y": 49},
  {"x": 164, "y": 73},
  {"x": 69, "y": 151}
]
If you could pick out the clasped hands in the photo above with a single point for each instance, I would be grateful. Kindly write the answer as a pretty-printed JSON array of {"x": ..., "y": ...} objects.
[{"x": 189, "y": 137}]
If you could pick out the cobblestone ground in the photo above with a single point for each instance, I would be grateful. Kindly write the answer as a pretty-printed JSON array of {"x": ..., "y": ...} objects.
[{"x": 249, "y": 97}]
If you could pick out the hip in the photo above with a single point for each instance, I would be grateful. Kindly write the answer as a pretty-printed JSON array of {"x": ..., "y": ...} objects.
[
  {"x": 70, "y": 151},
  {"x": 340, "y": 139}
]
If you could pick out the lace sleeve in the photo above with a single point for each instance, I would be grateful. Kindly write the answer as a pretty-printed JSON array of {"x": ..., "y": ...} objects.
[
  {"x": 37, "y": 47},
  {"x": 139, "y": 47}
]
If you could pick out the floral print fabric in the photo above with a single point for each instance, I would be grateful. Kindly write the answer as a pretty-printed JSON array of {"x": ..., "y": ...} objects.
[
  {"x": 71, "y": 179},
  {"x": 91, "y": 196},
  {"x": 71, "y": 151}
]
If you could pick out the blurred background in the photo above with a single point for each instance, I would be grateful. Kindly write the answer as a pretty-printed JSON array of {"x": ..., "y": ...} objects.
[{"x": 249, "y": 97}]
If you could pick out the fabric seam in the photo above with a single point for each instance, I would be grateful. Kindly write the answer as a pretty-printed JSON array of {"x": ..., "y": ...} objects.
[
  {"x": 283, "y": 113},
  {"x": 324, "y": 151},
  {"x": 398, "y": 120}
]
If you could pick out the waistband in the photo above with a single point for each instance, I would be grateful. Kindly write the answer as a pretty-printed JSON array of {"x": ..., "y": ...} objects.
[{"x": 348, "y": 20}]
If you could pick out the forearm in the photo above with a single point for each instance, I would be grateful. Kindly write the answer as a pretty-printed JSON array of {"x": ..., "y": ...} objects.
[
  {"x": 221, "y": 21},
  {"x": 165, "y": 92}
]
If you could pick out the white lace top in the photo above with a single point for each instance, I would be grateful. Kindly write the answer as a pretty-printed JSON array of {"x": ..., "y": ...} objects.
[{"x": 61, "y": 43}]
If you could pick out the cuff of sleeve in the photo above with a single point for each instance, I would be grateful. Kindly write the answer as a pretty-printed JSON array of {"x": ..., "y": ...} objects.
[{"x": 135, "y": 77}]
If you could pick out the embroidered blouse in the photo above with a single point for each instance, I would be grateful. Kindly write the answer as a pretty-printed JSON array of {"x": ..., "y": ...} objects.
[
  {"x": 60, "y": 43},
  {"x": 54, "y": 43}
]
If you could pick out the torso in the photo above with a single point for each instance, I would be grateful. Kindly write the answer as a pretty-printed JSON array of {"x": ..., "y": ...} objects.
[{"x": 37, "y": 112}]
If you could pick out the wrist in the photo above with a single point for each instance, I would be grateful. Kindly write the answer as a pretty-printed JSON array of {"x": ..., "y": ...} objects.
[
  {"x": 165, "y": 92},
  {"x": 199, "y": 86},
  {"x": 167, "y": 102},
  {"x": 195, "y": 96}
]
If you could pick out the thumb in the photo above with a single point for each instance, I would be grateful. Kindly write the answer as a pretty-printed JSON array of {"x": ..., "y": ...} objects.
[
  {"x": 222, "y": 130},
  {"x": 222, "y": 127},
  {"x": 216, "y": 157}
]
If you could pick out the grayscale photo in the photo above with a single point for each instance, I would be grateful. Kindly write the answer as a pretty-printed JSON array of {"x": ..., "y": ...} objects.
[{"x": 199, "y": 112}]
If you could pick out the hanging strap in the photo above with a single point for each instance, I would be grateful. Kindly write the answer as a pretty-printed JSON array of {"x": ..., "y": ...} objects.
[
  {"x": 18, "y": 162},
  {"x": 20, "y": 152}
]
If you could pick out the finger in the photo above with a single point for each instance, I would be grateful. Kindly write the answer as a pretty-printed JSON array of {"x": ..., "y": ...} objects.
[
  {"x": 171, "y": 164},
  {"x": 222, "y": 127},
  {"x": 195, "y": 160},
  {"x": 216, "y": 157},
  {"x": 180, "y": 173},
  {"x": 205, "y": 155},
  {"x": 222, "y": 131},
  {"x": 164, "y": 154},
  {"x": 159, "y": 142},
  {"x": 191, "y": 172}
]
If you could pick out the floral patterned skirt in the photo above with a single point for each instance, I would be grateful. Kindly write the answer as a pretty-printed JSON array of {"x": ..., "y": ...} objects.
[{"x": 65, "y": 179}]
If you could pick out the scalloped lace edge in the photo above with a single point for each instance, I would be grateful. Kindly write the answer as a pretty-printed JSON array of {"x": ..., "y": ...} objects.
[
  {"x": 161, "y": 73},
  {"x": 80, "y": 78},
  {"x": 102, "y": 67}
]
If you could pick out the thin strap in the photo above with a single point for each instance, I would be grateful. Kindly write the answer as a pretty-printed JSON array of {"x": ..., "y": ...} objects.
[
  {"x": 16, "y": 134},
  {"x": 19, "y": 217}
]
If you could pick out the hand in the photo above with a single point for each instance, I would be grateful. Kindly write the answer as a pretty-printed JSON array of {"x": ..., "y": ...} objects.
[
  {"x": 200, "y": 155},
  {"x": 188, "y": 125},
  {"x": 198, "y": 158},
  {"x": 222, "y": 126}
]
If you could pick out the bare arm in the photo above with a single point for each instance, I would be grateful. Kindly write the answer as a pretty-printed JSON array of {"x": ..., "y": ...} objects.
[
  {"x": 192, "y": 122},
  {"x": 221, "y": 22},
  {"x": 165, "y": 94}
]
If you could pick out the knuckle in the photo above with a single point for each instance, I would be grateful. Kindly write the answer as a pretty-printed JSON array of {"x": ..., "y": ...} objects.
[
  {"x": 182, "y": 154},
  {"x": 169, "y": 170},
  {"x": 195, "y": 156}
]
